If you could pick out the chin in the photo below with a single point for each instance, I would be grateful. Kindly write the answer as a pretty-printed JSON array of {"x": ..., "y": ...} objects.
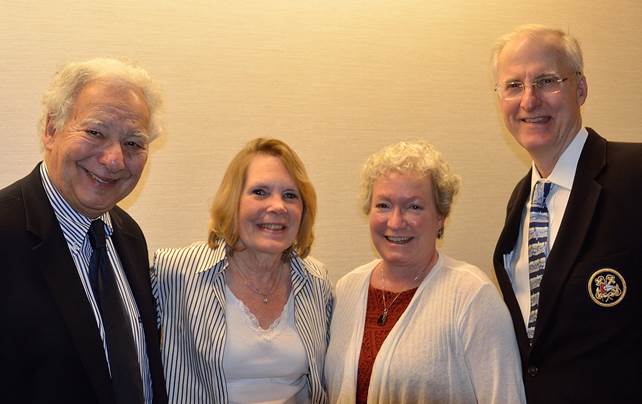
[
  {"x": 271, "y": 249},
  {"x": 98, "y": 204},
  {"x": 533, "y": 141},
  {"x": 395, "y": 259}
]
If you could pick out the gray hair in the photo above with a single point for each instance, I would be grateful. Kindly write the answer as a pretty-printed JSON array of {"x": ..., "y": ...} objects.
[
  {"x": 568, "y": 45},
  {"x": 416, "y": 157},
  {"x": 58, "y": 101}
]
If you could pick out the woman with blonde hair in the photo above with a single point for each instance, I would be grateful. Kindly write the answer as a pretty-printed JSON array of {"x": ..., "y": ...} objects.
[{"x": 245, "y": 316}]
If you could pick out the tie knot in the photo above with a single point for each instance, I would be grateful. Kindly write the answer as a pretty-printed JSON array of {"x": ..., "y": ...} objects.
[
  {"x": 97, "y": 234},
  {"x": 542, "y": 189}
]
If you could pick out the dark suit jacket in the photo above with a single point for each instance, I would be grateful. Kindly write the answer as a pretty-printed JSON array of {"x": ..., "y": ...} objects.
[
  {"x": 583, "y": 352},
  {"x": 50, "y": 347}
]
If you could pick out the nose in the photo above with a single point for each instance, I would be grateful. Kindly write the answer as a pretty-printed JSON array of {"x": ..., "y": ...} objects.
[
  {"x": 277, "y": 205},
  {"x": 112, "y": 157},
  {"x": 396, "y": 219},
  {"x": 530, "y": 98}
]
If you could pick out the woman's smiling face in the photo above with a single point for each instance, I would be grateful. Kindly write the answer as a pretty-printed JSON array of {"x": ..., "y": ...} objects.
[
  {"x": 270, "y": 208},
  {"x": 403, "y": 219}
]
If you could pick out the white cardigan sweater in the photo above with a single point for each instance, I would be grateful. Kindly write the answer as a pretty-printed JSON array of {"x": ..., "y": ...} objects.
[{"x": 454, "y": 343}]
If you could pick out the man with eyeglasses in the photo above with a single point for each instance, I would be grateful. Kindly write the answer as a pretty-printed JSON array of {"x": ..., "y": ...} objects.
[{"x": 569, "y": 258}]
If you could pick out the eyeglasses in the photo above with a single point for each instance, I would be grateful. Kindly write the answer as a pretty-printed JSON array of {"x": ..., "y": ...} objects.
[{"x": 512, "y": 90}]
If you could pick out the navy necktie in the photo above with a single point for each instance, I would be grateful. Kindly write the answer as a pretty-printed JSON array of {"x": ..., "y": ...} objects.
[
  {"x": 123, "y": 357},
  {"x": 538, "y": 230}
]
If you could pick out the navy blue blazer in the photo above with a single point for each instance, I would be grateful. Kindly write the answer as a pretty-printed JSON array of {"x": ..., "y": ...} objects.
[
  {"x": 50, "y": 347},
  {"x": 587, "y": 345}
]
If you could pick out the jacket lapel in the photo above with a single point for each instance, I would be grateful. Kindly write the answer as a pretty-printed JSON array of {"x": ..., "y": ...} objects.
[
  {"x": 573, "y": 229},
  {"x": 505, "y": 245},
  {"x": 302, "y": 292},
  {"x": 134, "y": 260},
  {"x": 53, "y": 260},
  {"x": 508, "y": 237}
]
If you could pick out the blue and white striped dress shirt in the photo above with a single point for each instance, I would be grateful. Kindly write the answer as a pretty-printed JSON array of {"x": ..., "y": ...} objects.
[
  {"x": 75, "y": 227},
  {"x": 189, "y": 286}
]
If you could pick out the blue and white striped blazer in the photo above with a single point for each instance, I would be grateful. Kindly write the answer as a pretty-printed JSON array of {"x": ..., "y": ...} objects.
[{"x": 189, "y": 286}]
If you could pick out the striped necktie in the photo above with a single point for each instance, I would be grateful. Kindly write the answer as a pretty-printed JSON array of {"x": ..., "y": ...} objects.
[{"x": 538, "y": 228}]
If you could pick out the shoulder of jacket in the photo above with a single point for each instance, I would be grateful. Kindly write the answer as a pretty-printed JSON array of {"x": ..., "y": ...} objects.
[{"x": 195, "y": 257}]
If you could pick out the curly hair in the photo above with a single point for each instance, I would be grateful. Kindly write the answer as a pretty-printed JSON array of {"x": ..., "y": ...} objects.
[
  {"x": 415, "y": 157},
  {"x": 58, "y": 101}
]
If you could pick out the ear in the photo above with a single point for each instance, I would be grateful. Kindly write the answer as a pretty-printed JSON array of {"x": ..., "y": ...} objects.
[
  {"x": 582, "y": 90},
  {"x": 48, "y": 133}
]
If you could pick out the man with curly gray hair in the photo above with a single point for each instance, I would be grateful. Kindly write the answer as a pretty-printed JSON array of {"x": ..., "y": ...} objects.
[{"x": 76, "y": 299}]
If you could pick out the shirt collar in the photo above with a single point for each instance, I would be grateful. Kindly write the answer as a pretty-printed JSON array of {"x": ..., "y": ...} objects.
[
  {"x": 74, "y": 225},
  {"x": 563, "y": 173},
  {"x": 214, "y": 259}
]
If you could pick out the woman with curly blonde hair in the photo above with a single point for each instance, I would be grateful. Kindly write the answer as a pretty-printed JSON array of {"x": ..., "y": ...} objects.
[{"x": 416, "y": 326}]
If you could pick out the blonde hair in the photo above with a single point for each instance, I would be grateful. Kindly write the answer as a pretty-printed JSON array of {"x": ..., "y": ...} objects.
[
  {"x": 224, "y": 211},
  {"x": 416, "y": 157},
  {"x": 569, "y": 46}
]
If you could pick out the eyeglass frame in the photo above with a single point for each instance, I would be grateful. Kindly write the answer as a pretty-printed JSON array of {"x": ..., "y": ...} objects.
[{"x": 536, "y": 84}]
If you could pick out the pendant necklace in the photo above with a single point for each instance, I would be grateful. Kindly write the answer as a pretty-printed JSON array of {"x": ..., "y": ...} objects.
[
  {"x": 255, "y": 290},
  {"x": 383, "y": 317}
]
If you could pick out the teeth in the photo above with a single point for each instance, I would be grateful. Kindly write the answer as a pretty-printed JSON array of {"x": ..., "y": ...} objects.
[
  {"x": 538, "y": 119},
  {"x": 398, "y": 239},
  {"x": 271, "y": 226},
  {"x": 98, "y": 179}
]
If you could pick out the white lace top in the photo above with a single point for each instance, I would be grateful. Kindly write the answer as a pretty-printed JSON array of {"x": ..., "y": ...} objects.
[{"x": 263, "y": 365}]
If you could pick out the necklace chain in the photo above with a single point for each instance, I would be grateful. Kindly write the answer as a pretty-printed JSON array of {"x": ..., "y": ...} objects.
[
  {"x": 384, "y": 314},
  {"x": 255, "y": 290}
]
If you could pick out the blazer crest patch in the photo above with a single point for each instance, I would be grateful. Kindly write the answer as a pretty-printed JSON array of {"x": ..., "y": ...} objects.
[{"x": 606, "y": 287}]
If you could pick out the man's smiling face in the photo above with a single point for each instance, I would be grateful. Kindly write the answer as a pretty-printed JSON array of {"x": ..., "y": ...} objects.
[
  {"x": 543, "y": 123},
  {"x": 97, "y": 158}
]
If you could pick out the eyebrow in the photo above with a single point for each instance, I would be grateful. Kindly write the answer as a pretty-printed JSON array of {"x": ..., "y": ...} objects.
[
  {"x": 404, "y": 199},
  {"x": 540, "y": 76},
  {"x": 264, "y": 184},
  {"x": 97, "y": 122},
  {"x": 139, "y": 133},
  {"x": 92, "y": 121}
]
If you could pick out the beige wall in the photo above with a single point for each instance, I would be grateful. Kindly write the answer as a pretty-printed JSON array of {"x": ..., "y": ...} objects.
[{"x": 337, "y": 80}]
